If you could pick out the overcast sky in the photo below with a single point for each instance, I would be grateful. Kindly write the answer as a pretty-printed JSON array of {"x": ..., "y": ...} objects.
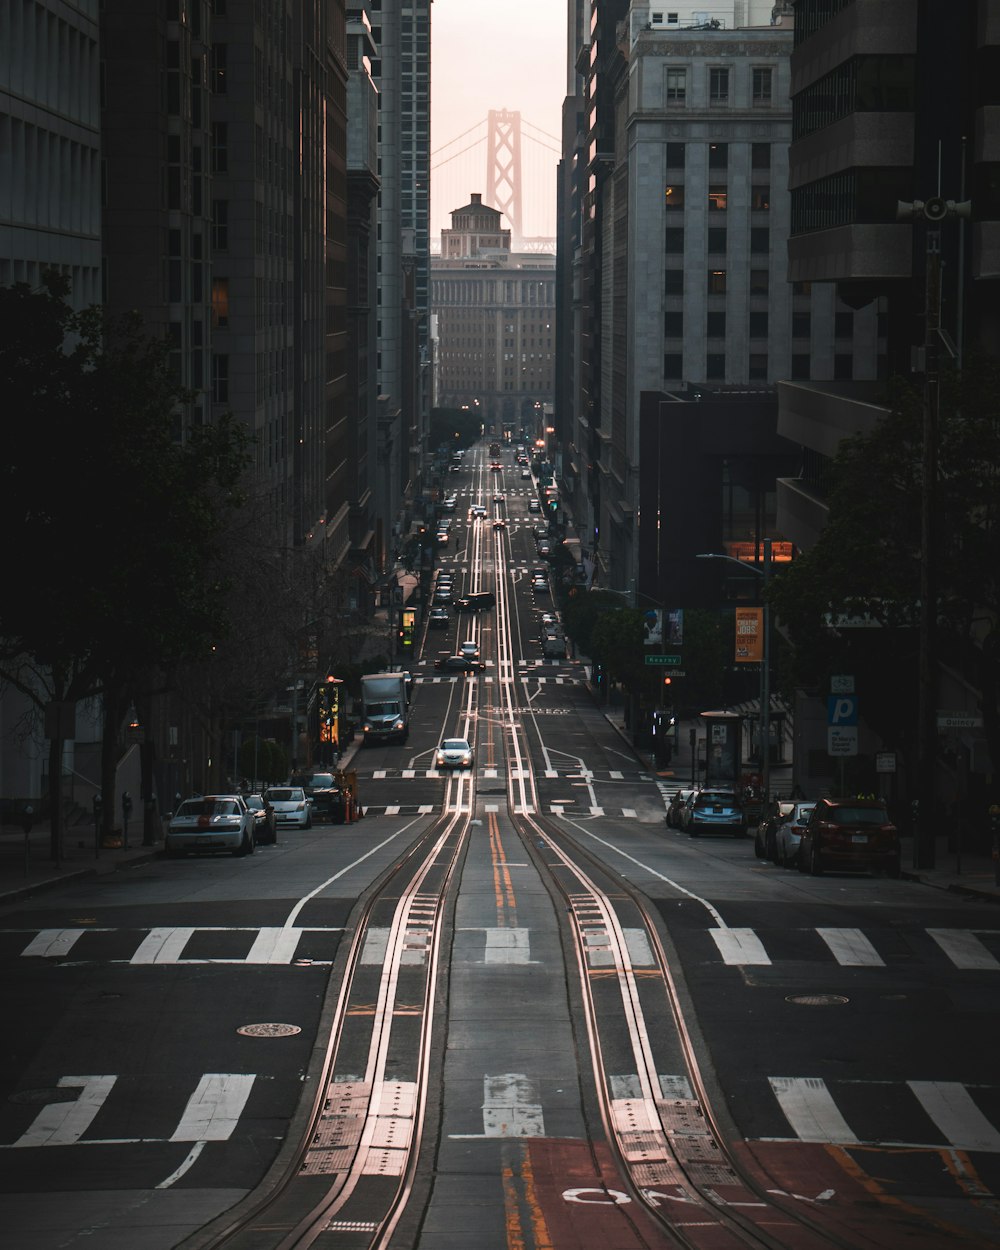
[{"x": 495, "y": 54}]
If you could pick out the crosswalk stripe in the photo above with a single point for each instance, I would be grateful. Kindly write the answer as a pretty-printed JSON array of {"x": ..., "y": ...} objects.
[
  {"x": 508, "y": 946},
  {"x": 629, "y": 811},
  {"x": 274, "y": 945},
  {"x": 950, "y": 1106},
  {"x": 810, "y": 1110},
  {"x": 214, "y": 1108},
  {"x": 739, "y": 946},
  {"x": 53, "y": 943},
  {"x": 162, "y": 946},
  {"x": 63, "y": 1123},
  {"x": 964, "y": 949},
  {"x": 851, "y": 948}
]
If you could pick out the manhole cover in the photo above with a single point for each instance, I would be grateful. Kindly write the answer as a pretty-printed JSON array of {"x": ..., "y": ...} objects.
[
  {"x": 269, "y": 1030},
  {"x": 817, "y": 1000}
]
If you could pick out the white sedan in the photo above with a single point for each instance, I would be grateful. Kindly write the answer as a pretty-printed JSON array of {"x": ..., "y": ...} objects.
[
  {"x": 454, "y": 753},
  {"x": 211, "y": 822},
  {"x": 470, "y": 649},
  {"x": 291, "y": 807}
]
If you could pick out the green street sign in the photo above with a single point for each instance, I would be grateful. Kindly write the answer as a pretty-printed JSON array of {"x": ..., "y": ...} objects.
[{"x": 670, "y": 660}]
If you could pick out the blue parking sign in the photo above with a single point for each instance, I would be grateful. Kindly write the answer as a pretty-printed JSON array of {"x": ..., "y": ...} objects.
[{"x": 842, "y": 709}]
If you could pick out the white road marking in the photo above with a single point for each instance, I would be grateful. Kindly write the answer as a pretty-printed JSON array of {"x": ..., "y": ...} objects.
[
  {"x": 810, "y": 1110},
  {"x": 509, "y": 1107},
  {"x": 52, "y": 943},
  {"x": 950, "y": 1106},
  {"x": 597, "y": 811},
  {"x": 162, "y": 946},
  {"x": 508, "y": 946},
  {"x": 739, "y": 947},
  {"x": 964, "y": 949},
  {"x": 615, "y": 775},
  {"x": 186, "y": 1166},
  {"x": 213, "y": 1110},
  {"x": 63, "y": 1123},
  {"x": 630, "y": 812},
  {"x": 376, "y": 945},
  {"x": 392, "y": 809},
  {"x": 274, "y": 946},
  {"x": 639, "y": 950},
  {"x": 851, "y": 948}
]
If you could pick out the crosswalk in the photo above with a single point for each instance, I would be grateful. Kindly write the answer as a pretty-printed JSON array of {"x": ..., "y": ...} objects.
[
  {"x": 967, "y": 950},
  {"x": 897, "y": 1114},
  {"x": 438, "y": 679},
  {"x": 569, "y": 773}
]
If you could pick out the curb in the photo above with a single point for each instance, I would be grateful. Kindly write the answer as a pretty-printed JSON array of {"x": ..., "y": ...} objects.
[{"x": 78, "y": 874}]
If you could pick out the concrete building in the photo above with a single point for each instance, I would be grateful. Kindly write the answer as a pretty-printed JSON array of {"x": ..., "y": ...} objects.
[{"x": 495, "y": 315}]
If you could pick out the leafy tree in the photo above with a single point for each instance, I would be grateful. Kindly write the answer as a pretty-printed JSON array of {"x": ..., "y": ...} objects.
[{"x": 111, "y": 523}]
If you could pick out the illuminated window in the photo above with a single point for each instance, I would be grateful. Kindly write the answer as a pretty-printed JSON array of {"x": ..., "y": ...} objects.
[{"x": 718, "y": 198}]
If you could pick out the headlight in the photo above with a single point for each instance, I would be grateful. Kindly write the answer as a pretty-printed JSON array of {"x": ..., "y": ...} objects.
[{"x": 398, "y": 725}]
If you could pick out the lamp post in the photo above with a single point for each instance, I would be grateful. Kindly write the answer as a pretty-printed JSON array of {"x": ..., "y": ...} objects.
[{"x": 764, "y": 730}]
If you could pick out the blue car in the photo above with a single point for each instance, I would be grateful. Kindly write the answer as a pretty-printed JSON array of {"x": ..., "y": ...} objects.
[{"x": 717, "y": 811}]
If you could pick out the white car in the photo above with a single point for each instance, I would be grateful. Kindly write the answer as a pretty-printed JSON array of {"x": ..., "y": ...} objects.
[
  {"x": 478, "y": 510},
  {"x": 211, "y": 822},
  {"x": 454, "y": 753},
  {"x": 291, "y": 807},
  {"x": 469, "y": 649}
]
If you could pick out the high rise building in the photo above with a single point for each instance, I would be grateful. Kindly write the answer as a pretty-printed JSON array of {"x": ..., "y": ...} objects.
[{"x": 495, "y": 313}]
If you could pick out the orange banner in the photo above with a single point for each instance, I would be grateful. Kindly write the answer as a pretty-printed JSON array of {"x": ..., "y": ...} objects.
[{"x": 749, "y": 636}]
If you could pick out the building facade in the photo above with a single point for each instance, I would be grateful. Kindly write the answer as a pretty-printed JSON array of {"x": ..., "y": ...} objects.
[{"x": 495, "y": 313}]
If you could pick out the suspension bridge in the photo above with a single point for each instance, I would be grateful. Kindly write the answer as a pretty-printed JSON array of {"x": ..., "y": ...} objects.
[{"x": 512, "y": 163}]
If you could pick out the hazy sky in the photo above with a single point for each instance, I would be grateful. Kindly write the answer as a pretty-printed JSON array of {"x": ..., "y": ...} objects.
[{"x": 495, "y": 54}]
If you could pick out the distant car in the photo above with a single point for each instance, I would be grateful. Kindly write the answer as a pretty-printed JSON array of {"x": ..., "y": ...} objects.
[
  {"x": 548, "y": 619},
  {"x": 540, "y": 585},
  {"x": 499, "y": 496},
  {"x": 212, "y": 822},
  {"x": 540, "y": 531},
  {"x": 324, "y": 795},
  {"x": 458, "y": 664},
  {"x": 764, "y": 837},
  {"x": 291, "y": 807},
  {"x": 450, "y": 504},
  {"x": 454, "y": 753},
  {"x": 265, "y": 825},
  {"x": 676, "y": 805},
  {"x": 717, "y": 811},
  {"x": 438, "y": 618},
  {"x": 788, "y": 835},
  {"x": 538, "y": 570},
  {"x": 525, "y": 475},
  {"x": 499, "y": 523},
  {"x": 855, "y": 834},
  {"x": 478, "y": 510},
  {"x": 544, "y": 550},
  {"x": 469, "y": 648},
  {"x": 534, "y": 505},
  {"x": 477, "y": 601},
  {"x": 496, "y": 467}
]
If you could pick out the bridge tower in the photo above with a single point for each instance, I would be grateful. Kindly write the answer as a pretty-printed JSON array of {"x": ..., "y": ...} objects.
[{"x": 503, "y": 170}]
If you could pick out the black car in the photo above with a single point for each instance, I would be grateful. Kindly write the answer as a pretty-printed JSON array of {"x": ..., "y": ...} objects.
[
  {"x": 478, "y": 601},
  {"x": 459, "y": 664},
  {"x": 265, "y": 825},
  {"x": 325, "y": 796},
  {"x": 438, "y": 618}
]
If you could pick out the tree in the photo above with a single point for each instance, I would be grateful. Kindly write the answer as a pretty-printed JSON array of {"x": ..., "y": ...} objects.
[
  {"x": 868, "y": 558},
  {"x": 111, "y": 522}
]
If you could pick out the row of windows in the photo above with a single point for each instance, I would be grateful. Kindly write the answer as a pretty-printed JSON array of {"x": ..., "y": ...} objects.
[
  {"x": 756, "y": 367},
  {"x": 853, "y": 196},
  {"x": 757, "y": 324},
  {"x": 718, "y": 155},
  {"x": 864, "y": 84},
  {"x": 720, "y": 85},
  {"x": 718, "y": 197}
]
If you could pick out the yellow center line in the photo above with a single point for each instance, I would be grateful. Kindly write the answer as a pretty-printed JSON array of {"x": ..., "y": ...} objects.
[{"x": 503, "y": 887}]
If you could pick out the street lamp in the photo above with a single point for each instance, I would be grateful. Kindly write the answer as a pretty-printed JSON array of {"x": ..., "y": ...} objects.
[{"x": 764, "y": 731}]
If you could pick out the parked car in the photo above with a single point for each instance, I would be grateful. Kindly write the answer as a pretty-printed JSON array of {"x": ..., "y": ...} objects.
[
  {"x": 534, "y": 505},
  {"x": 677, "y": 803},
  {"x": 717, "y": 810},
  {"x": 265, "y": 828},
  {"x": 459, "y": 664},
  {"x": 854, "y": 834},
  {"x": 788, "y": 836},
  {"x": 291, "y": 807},
  {"x": 454, "y": 753},
  {"x": 211, "y": 822},
  {"x": 525, "y": 475},
  {"x": 540, "y": 585},
  {"x": 764, "y": 837},
  {"x": 450, "y": 504},
  {"x": 544, "y": 549},
  {"x": 438, "y": 618},
  {"x": 443, "y": 593},
  {"x": 324, "y": 795}
]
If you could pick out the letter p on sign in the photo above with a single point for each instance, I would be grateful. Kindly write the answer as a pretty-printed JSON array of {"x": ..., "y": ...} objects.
[{"x": 842, "y": 709}]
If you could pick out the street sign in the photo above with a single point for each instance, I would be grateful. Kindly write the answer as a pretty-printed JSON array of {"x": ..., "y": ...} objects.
[
  {"x": 669, "y": 660},
  {"x": 842, "y": 740},
  {"x": 842, "y": 683},
  {"x": 842, "y": 709},
  {"x": 885, "y": 761},
  {"x": 959, "y": 720}
]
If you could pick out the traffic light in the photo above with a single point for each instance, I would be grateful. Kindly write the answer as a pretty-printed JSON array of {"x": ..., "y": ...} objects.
[
  {"x": 667, "y": 681},
  {"x": 406, "y": 631}
]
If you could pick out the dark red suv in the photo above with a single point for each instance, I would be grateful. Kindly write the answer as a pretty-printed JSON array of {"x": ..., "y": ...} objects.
[{"x": 855, "y": 834}]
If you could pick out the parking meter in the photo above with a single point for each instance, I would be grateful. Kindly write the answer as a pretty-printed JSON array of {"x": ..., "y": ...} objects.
[{"x": 27, "y": 818}]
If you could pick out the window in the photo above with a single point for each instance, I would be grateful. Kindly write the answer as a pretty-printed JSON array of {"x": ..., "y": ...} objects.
[
  {"x": 760, "y": 239},
  {"x": 673, "y": 365},
  {"x": 843, "y": 325},
  {"x": 220, "y": 148},
  {"x": 762, "y": 85},
  {"x": 674, "y": 196},
  {"x": 718, "y": 197},
  {"x": 717, "y": 239},
  {"x": 676, "y": 86},
  {"x": 843, "y": 365},
  {"x": 220, "y": 379},
  {"x": 673, "y": 325},
  {"x": 718, "y": 85},
  {"x": 718, "y": 156},
  {"x": 800, "y": 366},
  {"x": 715, "y": 366},
  {"x": 673, "y": 282},
  {"x": 801, "y": 288},
  {"x": 717, "y": 282},
  {"x": 758, "y": 325},
  {"x": 220, "y": 303},
  {"x": 218, "y": 79},
  {"x": 715, "y": 325},
  {"x": 801, "y": 325},
  {"x": 220, "y": 225},
  {"x": 673, "y": 240},
  {"x": 758, "y": 366},
  {"x": 760, "y": 156},
  {"x": 759, "y": 281},
  {"x": 675, "y": 155},
  {"x": 760, "y": 198}
]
